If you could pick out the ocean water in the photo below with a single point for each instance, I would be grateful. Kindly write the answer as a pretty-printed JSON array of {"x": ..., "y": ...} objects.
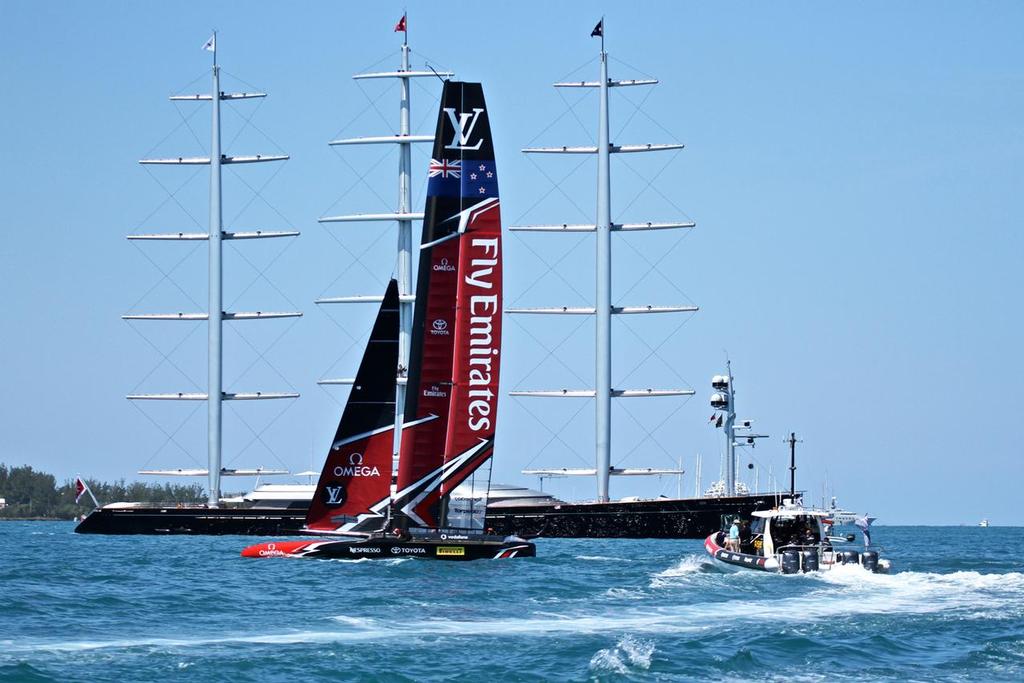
[{"x": 96, "y": 608}]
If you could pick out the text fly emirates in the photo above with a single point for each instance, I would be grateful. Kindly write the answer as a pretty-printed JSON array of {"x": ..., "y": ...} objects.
[{"x": 482, "y": 309}]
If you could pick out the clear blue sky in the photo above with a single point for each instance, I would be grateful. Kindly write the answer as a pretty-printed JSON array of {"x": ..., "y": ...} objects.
[{"x": 855, "y": 172}]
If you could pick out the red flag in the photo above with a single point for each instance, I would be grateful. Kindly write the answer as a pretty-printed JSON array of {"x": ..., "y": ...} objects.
[
  {"x": 400, "y": 26},
  {"x": 713, "y": 416},
  {"x": 80, "y": 488}
]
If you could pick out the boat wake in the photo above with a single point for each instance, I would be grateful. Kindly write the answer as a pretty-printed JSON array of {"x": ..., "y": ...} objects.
[{"x": 687, "y": 566}]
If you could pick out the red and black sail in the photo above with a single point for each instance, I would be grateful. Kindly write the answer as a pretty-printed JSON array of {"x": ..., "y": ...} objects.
[
  {"x": 353, "y": 491},
  {"x": 452, "y": 399}
]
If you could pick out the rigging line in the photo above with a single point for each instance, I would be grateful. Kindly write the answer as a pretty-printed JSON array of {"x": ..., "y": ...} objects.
[
  {"x": 262, "y": 355},
  {"x": 569, "y": 109},
  {"x": 352, "y": 120},
  {"x": 174, "y": 196},
  {"x": 649, "y": 433},
  {"x": 551, "y": 353},
  {"x": 555, "y": 433},
  {"x": 362, "y": 88},
  {"x": 177, "y": 108},
  {"x": 258, "y": 436},
  {"x": 387, "y": 55},
  {"x": 247, "y": 122},
  {"x": 358, "y": 260},
  {"x": 188, "y": 179},
  {"x": 554, "y": 186},
  {"x": 183, "y": 122},
  {"x": 636, "y": 108},
  {"x": 629, "y": 66},
  {"x": 654, "y": 267},
  {"x": 166, "y": 358},
  {"x": 654, "y": 350},
  {"x": 572, "y": 110},
  {"x": 650, "y": 183},
  {"x": 170, "y": 435},
  {"x": 361, "y": 177},
  {"x": 165, "y": 275},
  {"x": 550, "y": 269},
  {"x": 579, "y": 68},
  {"x": 261, "y": 275},
  {"x": 257, "y": 193},
  {"x": 558, "y": 186}
]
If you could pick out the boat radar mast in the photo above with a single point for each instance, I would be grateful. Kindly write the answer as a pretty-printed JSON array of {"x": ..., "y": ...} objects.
[
  {"x": 215, "y": 315},
  {"x": 603, "y": 308},
  {"x": 403, "y": 216},
  {"x": 724, "y": 399}
]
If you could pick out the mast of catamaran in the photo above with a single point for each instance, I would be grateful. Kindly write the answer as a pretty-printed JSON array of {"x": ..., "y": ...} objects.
[
  {"x": 404, "y": 217},
  {"x": 604, "y": 309},
  {"x": 215, "y": 315}
]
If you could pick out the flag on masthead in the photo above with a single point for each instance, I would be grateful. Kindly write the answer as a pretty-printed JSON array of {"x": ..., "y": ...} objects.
[
  {"x": 598, "y": 30},
  {"x": 211, "y": 44},
  {"x": 400, "y": 26}
]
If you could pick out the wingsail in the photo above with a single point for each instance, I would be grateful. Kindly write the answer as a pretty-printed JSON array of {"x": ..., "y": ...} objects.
[
  {"x": 354, "y": 487},
  {"x": 456, "y": 343}
]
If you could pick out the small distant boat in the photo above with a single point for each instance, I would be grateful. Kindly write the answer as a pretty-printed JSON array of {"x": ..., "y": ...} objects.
[
  {"x": 841, "y": 516},
  {"x": 983, "y": 523},
  {"x": 791, "y": 539}
]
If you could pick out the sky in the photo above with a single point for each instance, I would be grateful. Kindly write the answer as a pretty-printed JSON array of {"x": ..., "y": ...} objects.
[{"x": 855, "y": 172}]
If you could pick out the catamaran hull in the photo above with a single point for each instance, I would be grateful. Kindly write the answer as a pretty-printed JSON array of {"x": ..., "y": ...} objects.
[{"x": 386, "y": 548}]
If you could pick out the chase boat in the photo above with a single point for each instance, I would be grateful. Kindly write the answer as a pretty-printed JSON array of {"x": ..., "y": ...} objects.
[{"x": 791, "y": 539}]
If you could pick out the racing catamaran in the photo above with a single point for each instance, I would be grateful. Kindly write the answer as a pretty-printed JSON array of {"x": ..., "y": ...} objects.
[{"x": 447, "y": 422}]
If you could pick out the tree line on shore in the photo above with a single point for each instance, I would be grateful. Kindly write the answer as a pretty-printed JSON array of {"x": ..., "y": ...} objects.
[{"x": 32, "y": 494}]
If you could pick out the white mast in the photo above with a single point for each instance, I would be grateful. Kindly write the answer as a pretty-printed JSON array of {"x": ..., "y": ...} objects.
[
  {"x": 404, "y": 217},
  {"x": 215, "y": 314},
  {"x": 603, "y": 307}
]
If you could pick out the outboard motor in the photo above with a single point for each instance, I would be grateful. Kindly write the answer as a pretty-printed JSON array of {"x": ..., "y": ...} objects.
[
  {"x": 869, "y": 560},
  {"x": 790, "y": 561},
  {"x": 848, "y": 557},
  {"x": 810, "y": 558}
]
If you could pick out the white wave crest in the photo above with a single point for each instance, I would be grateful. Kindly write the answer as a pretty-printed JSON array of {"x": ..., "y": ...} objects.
[
  {"x": 691, "y": 564},
  {"x": 629, "y": 654}
]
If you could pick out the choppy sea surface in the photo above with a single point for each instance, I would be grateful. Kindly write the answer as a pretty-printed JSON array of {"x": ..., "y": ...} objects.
[{"x": 109, "y": 608}]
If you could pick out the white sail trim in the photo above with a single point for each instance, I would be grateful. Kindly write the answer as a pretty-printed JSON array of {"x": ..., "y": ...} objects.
[
  {"x": 383, "y": 139},
  {"x": 358, "y": 217},
  {"x": 380, "y": 430},
  {"x": 466, "y": 216},
  {"x": 439, "y": 476}
]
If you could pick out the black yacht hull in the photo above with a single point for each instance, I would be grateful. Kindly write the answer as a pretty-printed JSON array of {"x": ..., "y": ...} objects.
[
  {"x": 659, "y": 518},
  {"x": 193, "y": 521}
]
